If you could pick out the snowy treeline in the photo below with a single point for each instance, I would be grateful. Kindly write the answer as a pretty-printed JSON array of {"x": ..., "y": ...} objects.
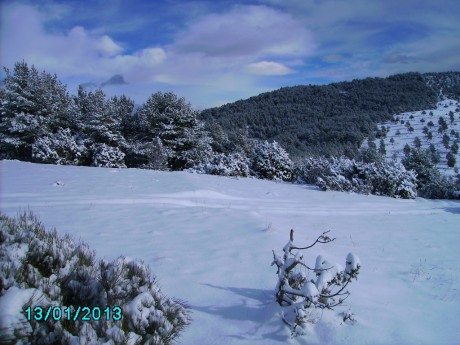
[
  {"x": 40, "y": 268},
  {"x": 41, "y": 122}
]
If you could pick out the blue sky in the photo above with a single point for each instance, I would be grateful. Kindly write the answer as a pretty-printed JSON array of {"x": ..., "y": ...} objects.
[{"x": 214, "y": 52}]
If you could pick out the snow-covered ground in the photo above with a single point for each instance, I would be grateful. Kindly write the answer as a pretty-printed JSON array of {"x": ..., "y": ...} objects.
[
  {"x": 209, "y": 240},
  {"x": 401, "y": 135}
]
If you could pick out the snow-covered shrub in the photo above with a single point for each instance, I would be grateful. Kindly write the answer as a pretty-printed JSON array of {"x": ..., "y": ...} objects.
[
  {"x": 107, "y": 156},
  {"x": 310, "y": 169},
  {"x": 345, "y": 175},
  {"x": 40, "y": 268},
  {"x": 58, "y": 148},
  {"x": 271, "y": 161},
  {"x": 392, "y": 179},
  {"x": 440, "y": 187},
  {"x": 232, "y": 164},
  {"x": 147, "y": 155},
  {"x": 302, "y": 289}
]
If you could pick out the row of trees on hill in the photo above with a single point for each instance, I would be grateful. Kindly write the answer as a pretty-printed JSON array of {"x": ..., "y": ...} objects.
[{"x": 42, "y": 122}]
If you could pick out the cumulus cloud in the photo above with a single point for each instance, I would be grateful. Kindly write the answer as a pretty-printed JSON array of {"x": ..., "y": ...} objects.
[
  {"x": 248, "y": 32},
  {"x": 214, "y": 49},
  {"x": 268, "y": 68},
  {"x": 226, "y": 54}
]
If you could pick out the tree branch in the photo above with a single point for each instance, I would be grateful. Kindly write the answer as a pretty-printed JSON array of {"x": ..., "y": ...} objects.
[{"x": 323, "y": 238}]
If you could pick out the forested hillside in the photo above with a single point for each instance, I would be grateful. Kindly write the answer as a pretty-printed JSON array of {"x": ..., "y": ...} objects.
[{"x": 330, "y": 119}]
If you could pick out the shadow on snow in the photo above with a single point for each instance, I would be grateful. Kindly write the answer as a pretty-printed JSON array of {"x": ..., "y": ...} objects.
[{"x": 256, "y": 305}]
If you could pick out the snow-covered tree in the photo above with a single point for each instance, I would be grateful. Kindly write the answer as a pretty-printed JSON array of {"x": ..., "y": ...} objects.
[
  {"x": 232, "y": 164},
  {"x": 29, "y": 103},
  {"x": 102, "y": 128},
  {"x": 175, "y": 123},
  {"x": 392, "y": 179},
  {"x": 123, "y": 108},
  {"x": 107, "y": 156},
  {"x": 342, "y": 174},
  {"x": 220, "y": 140},
  {"x": 147, "y": 154},
  {"x": 419, "y": 161},
  {"x": 271, "y": 161},
  {"x": 32, "y": 104},
  {"x": 102, "y": 123},
  {"x": 302, "y": 289},
  {"x": 61, "y": 147}
]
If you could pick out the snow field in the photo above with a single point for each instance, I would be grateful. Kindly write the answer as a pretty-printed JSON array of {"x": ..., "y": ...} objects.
[{"x": 209, "y": 241}]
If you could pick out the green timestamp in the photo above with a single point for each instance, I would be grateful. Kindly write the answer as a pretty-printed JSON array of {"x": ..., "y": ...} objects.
[{"x": 58, "y": 313}]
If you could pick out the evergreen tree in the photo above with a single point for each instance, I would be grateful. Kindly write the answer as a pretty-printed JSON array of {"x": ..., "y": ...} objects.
[
  {"x": 454, "y": 148},
  {"x": 419, "y": 161},
  {"x": 445, "y": 140},
  {"x": 271, "y": 161},
  {"x": 429, "y": 136},
  {"x": 32, "y": 104},
  {"x": 406, "y": 149},
  {"x": 451, "y": 161},
  {"x": 102, "y": 129},
  {"x": 175, "y": 123},
  {"x": 442, "y": 124},
  {"x": 382, "y": 149},
  {"x": 123, "y": 108},
  {"x": 220, "y": 140},
  {"x": 61, "y": 147},
  {"x": 434, "y": 154},
  {"x": 417, "y": 142}
]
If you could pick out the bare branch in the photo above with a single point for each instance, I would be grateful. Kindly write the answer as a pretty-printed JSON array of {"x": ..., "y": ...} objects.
[
  {"x": 338, "y": 292},
  {"x": 323, "y": 238},
  {"x": 315, "y": 269}
]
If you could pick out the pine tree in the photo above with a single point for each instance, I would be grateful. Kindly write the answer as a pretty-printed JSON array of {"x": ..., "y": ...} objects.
[
  {"x": 32, "y": 105},
  {"x": 442, "y": 124},
  {"x": 419, "y": 161},
  {"x": 175, "y": 123},
  {"x": 406, "y": 149},
  {"x": 102, "y": 129},
  {"x": 445, "y": 140},
  {"x": 271, "y": 161},
  {"x": 382, "y": 149},
  {"x": 123, "y": 108},
  {"x": 451, "y": 161}
]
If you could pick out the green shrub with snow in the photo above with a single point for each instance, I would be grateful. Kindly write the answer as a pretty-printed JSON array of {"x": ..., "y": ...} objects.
[
  {"x": 61, "y": 147},
  {"x": 388, "y": 178},
  {"x": 40, "y": 268},
  {"x": 302, "y": 290},
  {"x": 231, "y": 164},
  {"x": 270, "y": 161},
  {"x": 107, "y": 156}
]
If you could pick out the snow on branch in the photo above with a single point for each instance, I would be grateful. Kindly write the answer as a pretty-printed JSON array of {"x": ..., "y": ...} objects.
[{"x": 302, "y": 289}]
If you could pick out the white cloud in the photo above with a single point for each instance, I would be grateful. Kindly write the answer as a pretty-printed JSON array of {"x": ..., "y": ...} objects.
[
  {"x": 246, "y": 32},
  {"x": 218, "y": 54},
  {"x": 268, "y": 68},
  {"x": 108, "y": 47}
]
